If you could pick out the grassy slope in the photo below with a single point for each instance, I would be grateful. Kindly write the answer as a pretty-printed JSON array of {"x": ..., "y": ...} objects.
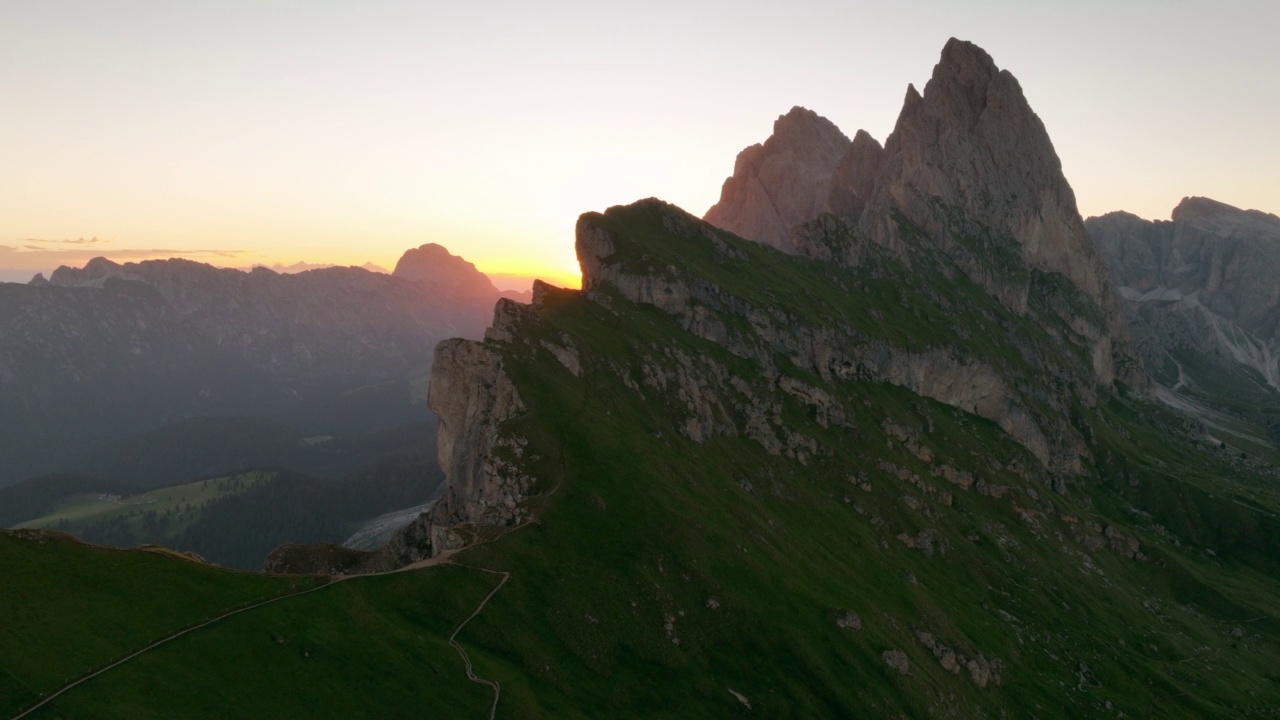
[
  {"x": 746, "y": 558},
  {"x": 69, "y": 608},
  {"x": 82, "y": 508},
  {"x": 367, "y": 648},
  {"x": 780, "y": 558}
]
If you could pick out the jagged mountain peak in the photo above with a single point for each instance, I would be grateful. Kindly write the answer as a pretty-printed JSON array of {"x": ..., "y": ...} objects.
[
  {"x": 1195, "y": 206},
  {"x": 93, "y": 274},
  {"x": 968, "y": 169},
  {"x": 973, "y": 144},
  {"x": 803, "y": 126},
  {"x": 966, "y": 65},
  {"x": 782, "y": 182}
]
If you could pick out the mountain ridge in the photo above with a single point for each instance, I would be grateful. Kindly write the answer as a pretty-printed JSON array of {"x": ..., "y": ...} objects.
[
  {"x": 970, "y": 166},
  {"x": 1202, "y": 281},
  {"x": 102, "y": 352}
]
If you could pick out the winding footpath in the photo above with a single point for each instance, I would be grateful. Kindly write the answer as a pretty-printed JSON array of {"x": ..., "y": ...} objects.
[
  {"x": 162, "y": 641},
  {"x": 466, "y": 659},
  {"x": 441, "y": 559}
]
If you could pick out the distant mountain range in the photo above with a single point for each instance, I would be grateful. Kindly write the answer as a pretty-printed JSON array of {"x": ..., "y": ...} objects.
[{"x": 97, "y": 354}]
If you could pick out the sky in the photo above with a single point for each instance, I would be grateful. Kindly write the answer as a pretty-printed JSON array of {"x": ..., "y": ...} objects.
[{"x": 257, "y": 132}]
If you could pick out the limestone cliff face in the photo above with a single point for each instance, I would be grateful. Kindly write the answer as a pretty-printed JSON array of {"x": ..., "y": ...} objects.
[
  {"x": 948, "y": 375},
  {"x": 969, "y": 169},
  {"x": 472, "y": 395},
  {"x": 969, "y": 155},
  {"x": 782, "y": 183},
  {"x": 1205, "y": 280}
]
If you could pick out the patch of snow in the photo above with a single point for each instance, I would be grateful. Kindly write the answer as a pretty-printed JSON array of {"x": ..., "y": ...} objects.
[{"x": 377, "y": 531}]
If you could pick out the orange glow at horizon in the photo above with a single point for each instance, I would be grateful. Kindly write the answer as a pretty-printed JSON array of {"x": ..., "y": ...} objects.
[
  {"x": 347, "y": 133},
  {"x": 564, "y": 279}
]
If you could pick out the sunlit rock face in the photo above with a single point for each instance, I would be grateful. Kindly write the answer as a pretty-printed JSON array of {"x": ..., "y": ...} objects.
[
  {"x": 1206, "y": 280},
  {"x": 783, "y": 182},
  {"x": 968, "y": 169}
]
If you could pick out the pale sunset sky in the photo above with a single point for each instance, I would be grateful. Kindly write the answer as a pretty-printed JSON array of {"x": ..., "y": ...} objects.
[{"x": 239, "y": 132}]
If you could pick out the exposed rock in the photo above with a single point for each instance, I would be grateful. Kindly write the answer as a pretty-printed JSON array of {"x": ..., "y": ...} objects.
[
  {"x": 853, "y": 181},
  {"x": 314, "y": 559},
  {"x": 982, "y": 671},
  {"x": 473, "y": 396},
  {"x": 972, "y": 144},
  {"x": 782, "y": 183},
  {"x": 848, "y": 620},
  {"x": 1205, "y": 281},
  {"x": 969, "y": 169},
  {"x": 897, "y": 660},
  {"x": 38, "y": 281}
]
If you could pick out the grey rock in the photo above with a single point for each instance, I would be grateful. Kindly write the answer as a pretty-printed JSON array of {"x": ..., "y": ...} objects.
[
  {"x": 783, "y": 182},
  {"x": 897, "y": 660},
  {"x": 968, "y": 168},
  {"x": 1206, "y": 280}
]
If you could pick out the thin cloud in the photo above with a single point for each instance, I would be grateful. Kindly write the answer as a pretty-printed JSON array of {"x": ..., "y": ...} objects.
[
  {"x": 77, "y": 241},
  {"x": 32, "y": 259}
]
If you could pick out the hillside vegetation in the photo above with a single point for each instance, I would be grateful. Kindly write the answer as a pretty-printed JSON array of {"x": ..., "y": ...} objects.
[{"x": 885, "y": 555}]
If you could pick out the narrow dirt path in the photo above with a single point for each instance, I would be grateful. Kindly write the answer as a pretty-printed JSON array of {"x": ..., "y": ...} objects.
[
  {"x": 466, "y": 659},
  {"x": 53, "y": 696}
]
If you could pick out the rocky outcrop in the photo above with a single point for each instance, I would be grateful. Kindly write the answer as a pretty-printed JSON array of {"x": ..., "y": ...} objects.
[
  {"x": 854, "y": 179},
  {"x": 982, "y": 671},
  {"x": 969, "y": 169},
  {"x": 315, "y": 559},
  {"x": 1204, "y": 281},
  {"x": 783, "y": 182},
  {"x": 473, "y": 397}
]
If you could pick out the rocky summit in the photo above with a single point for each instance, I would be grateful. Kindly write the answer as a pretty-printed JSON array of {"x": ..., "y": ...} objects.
[
  {"x": 969, "y": 168},
  {"x": 783, "y": 182}
]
